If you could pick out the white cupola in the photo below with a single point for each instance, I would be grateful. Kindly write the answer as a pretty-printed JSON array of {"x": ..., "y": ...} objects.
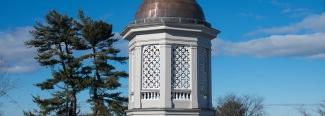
[{"x": 170, "y": 60}]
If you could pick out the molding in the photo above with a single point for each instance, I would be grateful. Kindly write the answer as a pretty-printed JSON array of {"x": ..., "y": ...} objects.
[
  {"x": 131, "y": 31},
  {"x": 170, "y": 112},
  {"x": 169, "y": 41}
]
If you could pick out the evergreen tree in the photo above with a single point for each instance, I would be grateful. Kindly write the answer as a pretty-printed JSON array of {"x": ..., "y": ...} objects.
[
  {"x": 98, "y": 41},
  {"x": 55, "y": 42}
]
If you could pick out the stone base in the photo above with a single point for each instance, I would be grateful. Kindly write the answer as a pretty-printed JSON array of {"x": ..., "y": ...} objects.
[{"x": 170, "y": 112}]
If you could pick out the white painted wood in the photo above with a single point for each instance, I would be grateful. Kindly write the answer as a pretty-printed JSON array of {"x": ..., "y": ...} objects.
[{"x": 167, "y": 100}]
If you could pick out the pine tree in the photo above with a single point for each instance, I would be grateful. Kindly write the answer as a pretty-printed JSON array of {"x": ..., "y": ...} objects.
[
  {"x": 98, "y": 40},
  {"x": 55, "y": 42}
]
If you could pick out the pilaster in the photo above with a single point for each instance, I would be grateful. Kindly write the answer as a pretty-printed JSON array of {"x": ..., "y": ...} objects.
[
  {"x": 165, "y": 76},
  {"x": 131, "y": 88},
  {"x": 137, "y": 76},
  {"x": 209, "y": 79},
  {"x": 194, "y": 66}
]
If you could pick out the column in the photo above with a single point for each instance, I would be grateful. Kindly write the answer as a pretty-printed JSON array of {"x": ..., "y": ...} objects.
[
  {"x": 209, "y": 78},
  {"x": 165, "y": 78},
  {"x": 137, "y": 67},
  {"x": 131, "y": 88},
  {"x": 194, "y": 61}
]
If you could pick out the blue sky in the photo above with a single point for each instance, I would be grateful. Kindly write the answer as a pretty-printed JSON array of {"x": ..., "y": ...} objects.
[{"x": 269, "y": 48}]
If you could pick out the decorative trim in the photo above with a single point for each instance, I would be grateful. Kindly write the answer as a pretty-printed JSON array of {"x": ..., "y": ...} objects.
[
  {"x": 151, "y": 67},
  {"x": 181, "y": 72}
]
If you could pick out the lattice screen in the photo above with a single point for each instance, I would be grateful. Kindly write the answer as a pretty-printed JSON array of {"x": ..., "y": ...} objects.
[
  {"x": 151, "y": 67},
  {"x": 181, "y": 67},
  {"x": 203, "y": 71}
]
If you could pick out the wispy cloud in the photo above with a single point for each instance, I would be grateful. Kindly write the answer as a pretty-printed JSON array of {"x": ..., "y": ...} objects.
[
  {"x": 306, "y": 46},
  {"x": 17, "y": 57},
  {"x": 289, "y": 10},
  {"x": 278, "y": 3},
  {"x": 305, "y": 39},
  {"x": 297, "y": 12},
  {"x": 310, "y": 24},
  {"x": 122, "y": 44},
  {"x": 252, "y": 15},
  {"x": 20, "y": 59}
]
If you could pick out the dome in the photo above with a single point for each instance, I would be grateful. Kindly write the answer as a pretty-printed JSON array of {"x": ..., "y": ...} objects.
[
  {"x": 170, "y": 8},
  {"x": 170, "y": 11}
]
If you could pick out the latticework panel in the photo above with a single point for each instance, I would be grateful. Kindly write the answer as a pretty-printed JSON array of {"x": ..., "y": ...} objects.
[
  {"x": 181, "y": 67},
  {"x": 151, "y": 67},
  {"x": 203, "y": 71}
]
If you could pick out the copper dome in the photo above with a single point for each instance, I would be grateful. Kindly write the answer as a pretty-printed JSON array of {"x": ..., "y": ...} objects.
[{"x": 188, "y": 9}]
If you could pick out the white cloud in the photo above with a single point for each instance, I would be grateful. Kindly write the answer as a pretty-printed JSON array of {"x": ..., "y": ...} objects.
[
  {"x": 278, "y": 3},
  {"x": 311, "y": 24},
  {"x": 291, "y": 45},
  {"x": 296, "y": 12},
  {"x": 318, "y": 56},
  {"x": 218, "y": 45},
  {"x": 303, "y": 39},
  {"x": 122, "y": 44},
  {"x": 288, "y": 9},
  {"x": 20, "y": 69},
  {"x": 17, "y": 57}
]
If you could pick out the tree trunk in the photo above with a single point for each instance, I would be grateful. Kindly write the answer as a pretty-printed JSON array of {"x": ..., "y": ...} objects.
[
  {"x": 98, "y": 79},
  {"x": 73, "y": 104}
]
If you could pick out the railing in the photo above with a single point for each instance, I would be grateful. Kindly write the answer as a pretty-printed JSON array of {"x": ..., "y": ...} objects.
[
  {"x": 179, "y": 20},
  {"x": 176, "y": 95},
  {"x": 181, "y": 95},
  {"x": 150, "y": 95}
]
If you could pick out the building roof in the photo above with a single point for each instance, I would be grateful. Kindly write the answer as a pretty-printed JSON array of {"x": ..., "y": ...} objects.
[
  {"x": 170, "y": 8},
  {"x": 170, "y": 11}
]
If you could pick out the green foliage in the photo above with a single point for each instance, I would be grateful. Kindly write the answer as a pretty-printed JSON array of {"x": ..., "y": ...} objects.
[
  {"x": 98, "y": 38},
  {"x": 30, "y": 113},
  {"x": 54, "y": 42},
  {"x": 79, "y": 54}
]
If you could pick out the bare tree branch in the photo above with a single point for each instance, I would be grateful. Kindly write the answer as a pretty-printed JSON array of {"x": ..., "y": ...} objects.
[
  {"x": 303, "y": 111},
  {"x": 321, "y": 109},
  {"x": 232, "y": 105},
  {"x": 254, "y": 105}
]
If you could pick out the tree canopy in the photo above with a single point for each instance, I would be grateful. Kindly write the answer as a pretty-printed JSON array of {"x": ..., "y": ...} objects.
[
  {"x": 232, "y": 105},
  {"x": 79, "y": 53}
]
